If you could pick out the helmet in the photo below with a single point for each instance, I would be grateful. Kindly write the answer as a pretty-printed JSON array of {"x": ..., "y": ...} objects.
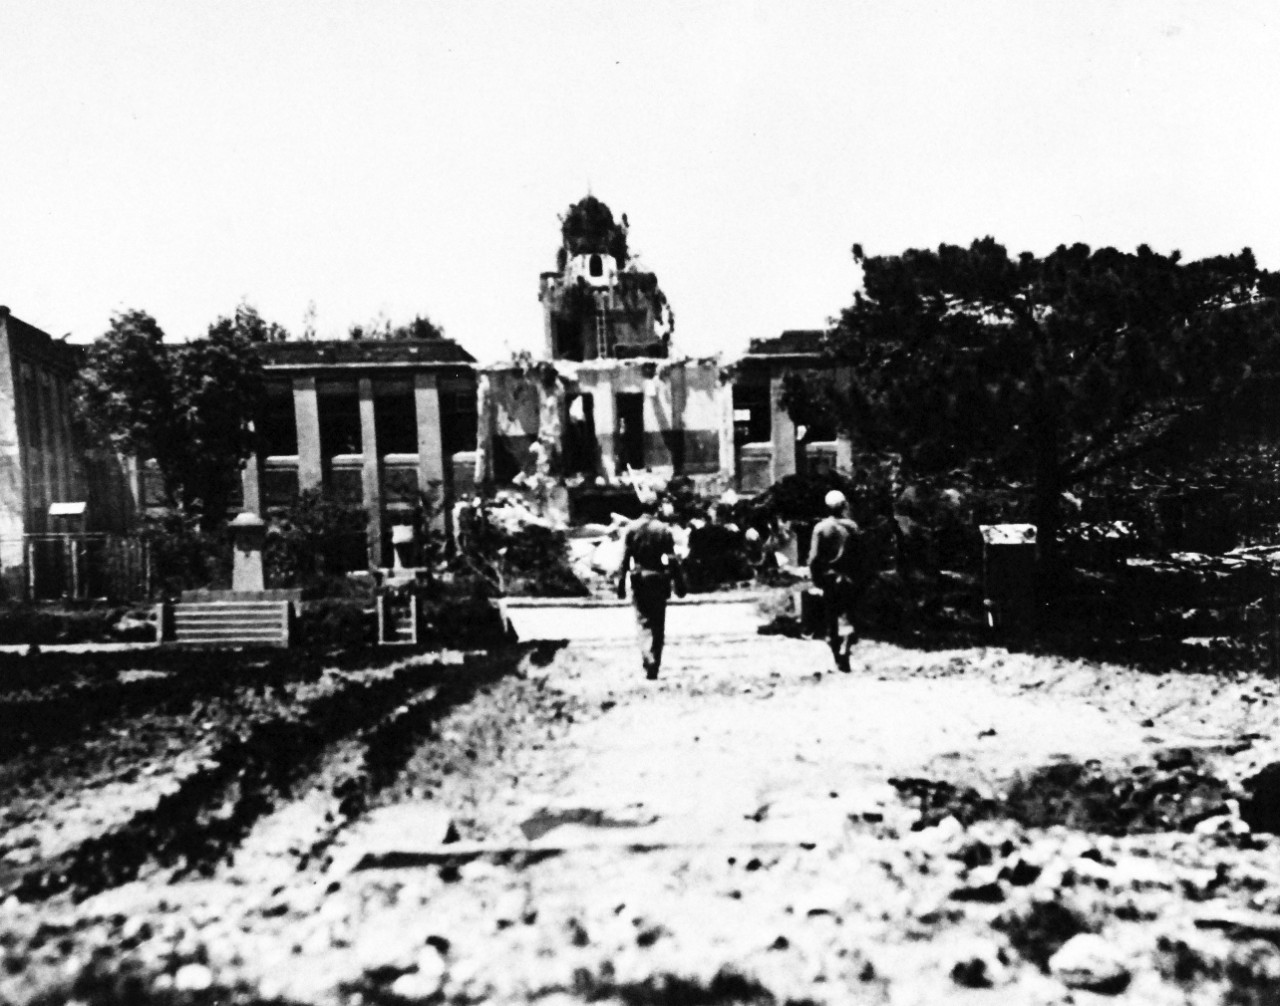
[{"x": 834, "y": 499}]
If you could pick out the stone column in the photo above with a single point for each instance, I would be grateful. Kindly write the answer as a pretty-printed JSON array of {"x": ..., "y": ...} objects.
[
  {"x": 434, "y": 476},
  {"x": 784, "y": 432},
  {"x": 844, "y": 453},
  {"x": 306, "y": 414},
  {"x": 728, "y": 448},
  {"x": 251, "y": 482},
  {"x": 371, "y": 480},
  {"x": 604, "y": 412},
  {"x": 248, "y": 535}
]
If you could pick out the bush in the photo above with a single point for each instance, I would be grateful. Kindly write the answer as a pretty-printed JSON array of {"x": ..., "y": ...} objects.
[
  {"x": 41, "y": 625},
  {"x": 336, "y": 621},
  {"x": 506, "y": 545},
  {"x": 185, "y": 556},
  {"x": 463, "y": 621},
  {"x": 314, "y": 541}
]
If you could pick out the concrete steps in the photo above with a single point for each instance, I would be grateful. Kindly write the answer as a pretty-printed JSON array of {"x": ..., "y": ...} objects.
[{"x": 231, "y": 623}]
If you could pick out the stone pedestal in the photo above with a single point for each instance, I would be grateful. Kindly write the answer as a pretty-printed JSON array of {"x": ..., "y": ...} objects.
[
  {"x": 403, "y": 544},
  {"x": 249, "y": 534}
]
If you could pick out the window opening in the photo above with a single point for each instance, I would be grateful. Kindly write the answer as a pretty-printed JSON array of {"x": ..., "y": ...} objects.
[
  {"x": 277, "y": 427},
  {"x": 395, "y": 419},
  {"x": 339, "y": 407}
]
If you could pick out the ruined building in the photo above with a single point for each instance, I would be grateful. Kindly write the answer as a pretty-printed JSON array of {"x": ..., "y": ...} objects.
[
  {"x": 378, "y": 423},
  {"x": 611, "y": 398}
]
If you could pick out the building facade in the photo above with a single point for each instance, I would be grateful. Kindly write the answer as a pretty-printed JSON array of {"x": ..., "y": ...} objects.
[
  {"x": 54, "y": 479},
  {"x": 379, "y": 424},
  {"x": 767, "y": 443}
]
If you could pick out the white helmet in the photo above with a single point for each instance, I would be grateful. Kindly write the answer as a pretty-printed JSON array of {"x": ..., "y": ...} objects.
[{"x": 834, "y": 499}]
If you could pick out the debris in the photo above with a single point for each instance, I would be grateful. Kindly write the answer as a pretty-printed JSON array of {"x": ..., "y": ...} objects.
[
  {"x": 192, "y": 978},
  {"x": 1087, "y": 961},
  {"x": 1243, "y": 924},
  {"x": 989, "y": 893},
  {"x": 979, "y": 966}
]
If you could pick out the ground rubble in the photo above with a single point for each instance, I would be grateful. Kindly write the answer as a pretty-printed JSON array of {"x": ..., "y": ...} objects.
[{"x": 751, "y": 829}]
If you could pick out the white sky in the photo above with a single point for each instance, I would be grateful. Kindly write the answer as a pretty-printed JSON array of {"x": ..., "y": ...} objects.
[{"x": 403, "y": 158}]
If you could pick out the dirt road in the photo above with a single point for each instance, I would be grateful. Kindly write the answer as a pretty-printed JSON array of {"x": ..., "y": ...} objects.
[{"x": 971, "y": 825}]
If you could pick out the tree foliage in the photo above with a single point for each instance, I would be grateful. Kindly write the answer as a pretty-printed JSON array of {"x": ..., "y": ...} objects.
[
  {"x": 1050, "y": 372},
  {"x": 187, "y": 406},
  {"x": 421, "y": 327},
  {"x": 588, "y": 228}
]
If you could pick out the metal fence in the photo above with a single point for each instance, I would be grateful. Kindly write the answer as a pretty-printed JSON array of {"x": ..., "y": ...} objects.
[{"x": 86, "y": 567}]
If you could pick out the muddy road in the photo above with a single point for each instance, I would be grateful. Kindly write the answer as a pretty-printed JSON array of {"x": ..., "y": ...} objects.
[{"x": 545, "y": 825}]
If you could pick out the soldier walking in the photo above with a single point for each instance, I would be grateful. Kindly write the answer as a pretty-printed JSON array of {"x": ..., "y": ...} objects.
[
  {"x": 649, "y": 556},
  {"x": 833, "y": 562}
]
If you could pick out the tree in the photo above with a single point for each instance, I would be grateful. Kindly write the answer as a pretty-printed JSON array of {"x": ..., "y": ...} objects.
[
  {"x": 587, "y": 228},
  {"x": 1049, "y": 372},
  {"x": 421, "y": 327},
  {"x": 248, "y": 323},
  {"x": 185, "y": 406}
]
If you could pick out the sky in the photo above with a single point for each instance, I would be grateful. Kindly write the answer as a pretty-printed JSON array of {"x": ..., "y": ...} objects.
[{"x": 367, "y": 160}]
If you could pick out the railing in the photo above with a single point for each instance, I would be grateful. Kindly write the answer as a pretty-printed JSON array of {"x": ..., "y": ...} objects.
[{"x": 83, "y": 567}]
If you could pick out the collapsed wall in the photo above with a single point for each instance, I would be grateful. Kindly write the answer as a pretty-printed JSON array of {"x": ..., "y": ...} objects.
[{"x": 600, "y": 421}]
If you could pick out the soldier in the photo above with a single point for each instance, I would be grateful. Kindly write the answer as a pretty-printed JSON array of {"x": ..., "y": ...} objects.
[
  {"x": 833, "y": 564},
  {"x": 649, "y": 555}
]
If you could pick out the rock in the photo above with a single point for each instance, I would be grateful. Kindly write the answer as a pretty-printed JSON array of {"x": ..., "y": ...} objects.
[
  {"x": 1019, "y": 872},
  {"x": 432, "y": 964},
  {"x": 990, "y": 893},
  {"x": 943, "y": 835},
  {"x": 1222, "y": 824},
  {"x": 134, "y": 929},
  {"x": 380, "y": 952},
  {"x": 510, "y": 908},
  {"x": 1254, "y": 968},
  {"x": 1262, "y": 810},
  {"x": 1140, "y": 874},
  {"x": 192, "y": 978},
  {"x": 1087, "y": 961},
  {"x": 417, "y": 986},
  {"x": 978, "y": 966},
  {"x": 1243, "y": 923}
]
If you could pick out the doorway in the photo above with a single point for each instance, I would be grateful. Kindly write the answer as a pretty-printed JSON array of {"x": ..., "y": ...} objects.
[{"x": 630, "y": 429}]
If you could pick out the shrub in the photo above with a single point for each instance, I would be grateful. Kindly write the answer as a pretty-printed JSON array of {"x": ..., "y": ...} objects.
[
  {"x": 314, "y": 541},
  {"x": 185, "y": 556},
  {"x": 336, "y": 621},
  {"x": 43, "y": 625},
  {"x": 516, "y": 553}
]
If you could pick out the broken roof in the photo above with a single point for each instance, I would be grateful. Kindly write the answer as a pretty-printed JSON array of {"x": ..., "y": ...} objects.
[{"x": 366, "y": 352}]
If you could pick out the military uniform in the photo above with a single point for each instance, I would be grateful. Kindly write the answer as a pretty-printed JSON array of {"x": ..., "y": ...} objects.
[
  {"x": 648, "y": 558},
  {"x": 833, "y": 567}
]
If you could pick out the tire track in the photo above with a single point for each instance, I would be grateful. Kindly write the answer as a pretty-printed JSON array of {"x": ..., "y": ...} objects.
[{"x": 200, "y": 822}]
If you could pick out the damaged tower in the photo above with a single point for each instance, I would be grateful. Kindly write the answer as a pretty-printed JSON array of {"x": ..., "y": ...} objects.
[{"x": 611, "y": 399}]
